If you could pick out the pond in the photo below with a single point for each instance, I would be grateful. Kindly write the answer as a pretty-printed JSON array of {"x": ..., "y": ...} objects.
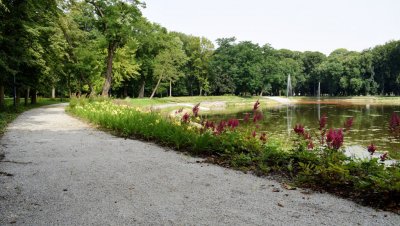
[{"x": 371, "y": 122}]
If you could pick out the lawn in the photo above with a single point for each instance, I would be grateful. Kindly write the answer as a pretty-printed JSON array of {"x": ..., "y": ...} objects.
[{"x": 228, "y": 100}]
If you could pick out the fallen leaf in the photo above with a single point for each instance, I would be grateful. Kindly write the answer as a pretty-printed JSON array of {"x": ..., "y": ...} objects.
[{"x": 288, "y": 187}]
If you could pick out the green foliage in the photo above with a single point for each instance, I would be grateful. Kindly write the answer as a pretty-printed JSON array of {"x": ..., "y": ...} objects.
[{"x": 168, "y": 63}]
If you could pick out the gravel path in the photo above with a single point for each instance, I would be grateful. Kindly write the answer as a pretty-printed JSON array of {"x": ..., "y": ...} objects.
[{"x": 66, "y": 173}]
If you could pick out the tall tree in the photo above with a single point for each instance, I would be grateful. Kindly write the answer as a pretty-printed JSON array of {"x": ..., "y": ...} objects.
[
  {"x": 168, "y": 63},
  {"x": 23, "y": 42},
  {"x": 151, "y": 40},
  {"x": 115, "y": 19}
]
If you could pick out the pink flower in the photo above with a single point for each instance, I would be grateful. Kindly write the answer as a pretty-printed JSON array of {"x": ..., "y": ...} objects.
[
  {"x": 299, "y": 129},
  {"x": 322, "y": 121},
  {"x": 384, "y": 156},
  {"x": 394, "y": 121},
  {"x": 310, "y": 145},
  {"x": 256, "y": 105},
  {"x": 257, "y": 116},
  {"x": 349, "y": 123},
  {"x": 263, "y": 137},
  {"x": 371, "y": 148},
  {"x": 185, "y": 118},
  {"x": 246, "y": 117},
  {"x": 220, "y": 128},
  {"x": 209, "y": 125},
  {"x": 307, "y": 136},
  {"x": 334, "y": 138},
  {"x": 196, "y": 110},
  {"x": 254, "y": 134},
  {"x": 233, "y": 123}
]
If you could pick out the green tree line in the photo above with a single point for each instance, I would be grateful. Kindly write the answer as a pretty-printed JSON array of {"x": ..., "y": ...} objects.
[{"x": 106, "y": 47}]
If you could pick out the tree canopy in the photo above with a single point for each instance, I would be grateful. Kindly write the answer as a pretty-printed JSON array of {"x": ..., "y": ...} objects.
[{"x": 106, "y": 47}]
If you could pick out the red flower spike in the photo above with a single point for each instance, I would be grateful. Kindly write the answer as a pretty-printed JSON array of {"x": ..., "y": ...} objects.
[
  {"x": 334, "y": 138},
  {"x": 394, "y": 121},
  {"x": 384, "y": 156},
  {"x": 322, "y": 121},
  {"x": 349, "y": 123},
  {"x": 220, "y": 128},
  {"x": 196, "y": 109},
  {"x": 299, "y": 129},
  {"x": 256, "y": 105},
  {"x": 307, "y": 136},
  {"x": 257, "y": 116},
  {"x": 246, "y": 117},
  {"x": 310, "y": 145},
  {"x": 263, "y": 137},
  {"x": 209, "y": 125},
  {"x": 371, "y": 149},
  {"x": 185, "y": 118},
  {"x": 233, "y": 123},
  {"x": 254, "y": 134}
]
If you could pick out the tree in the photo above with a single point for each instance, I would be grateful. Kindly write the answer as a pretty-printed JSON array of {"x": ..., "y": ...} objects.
[
  {"x": 115, "y": 19},
  {"x": 151, "y": 40},
  {"x": 23, "y": 43},
  {"x": 168, "y": 63},
  {"x": 85, "y": 46},
  {"x": 311, "y": 60},
  {"x": 199, "y": 51},
  {"x": 247, "y": 63},
  {"x": 126, "y": 65}
]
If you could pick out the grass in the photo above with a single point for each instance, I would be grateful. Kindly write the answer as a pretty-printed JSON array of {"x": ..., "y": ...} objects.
[
  {"x": 321, "y": 168},
  {"x": 249, "y": 100},
  {"x": 229, "y": 100},
  {"x": 9, "y": 113}
]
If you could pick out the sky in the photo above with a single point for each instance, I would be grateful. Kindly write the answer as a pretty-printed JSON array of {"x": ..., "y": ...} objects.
[{"x": 303, "y": 25}]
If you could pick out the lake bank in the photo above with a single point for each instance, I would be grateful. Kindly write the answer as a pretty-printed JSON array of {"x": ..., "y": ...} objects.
[{"x": 321, "y": 167}]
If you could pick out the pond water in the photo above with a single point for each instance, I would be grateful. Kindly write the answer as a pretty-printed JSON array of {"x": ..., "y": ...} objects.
[{"x": 371, "y": 122}]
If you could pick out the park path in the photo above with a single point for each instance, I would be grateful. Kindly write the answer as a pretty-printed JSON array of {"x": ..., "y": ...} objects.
[{"x": 67, "y": 173}]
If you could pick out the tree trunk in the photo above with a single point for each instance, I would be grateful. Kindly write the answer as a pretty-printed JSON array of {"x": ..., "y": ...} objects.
[
  {"x": 53, "y": 92},
  {"x": 18, "y": 100},
  {"x": 107, "y": 82},
  {"x": 27, "y": 95},
  {"x": 170, "y": 88},
  {"x": 92, "y": 91},
  {"x": 261, "y": 93},
  {"x": 125, "y": 90},
  {"x": 2, "y": 101},
  {"x": 34, "y": 96},
  {"x": 141, "y": 91},
  {"x": 155, "y": 88}
]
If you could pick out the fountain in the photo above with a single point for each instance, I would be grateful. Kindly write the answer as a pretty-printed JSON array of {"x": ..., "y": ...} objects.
[{"x": 289, "y": 90}]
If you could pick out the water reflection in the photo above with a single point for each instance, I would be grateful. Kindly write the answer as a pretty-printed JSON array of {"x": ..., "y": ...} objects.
[
  {"x": 319, "y": 111},
  {"x": 289, "y": 118},
  {"x": 371, "y": 122}
]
